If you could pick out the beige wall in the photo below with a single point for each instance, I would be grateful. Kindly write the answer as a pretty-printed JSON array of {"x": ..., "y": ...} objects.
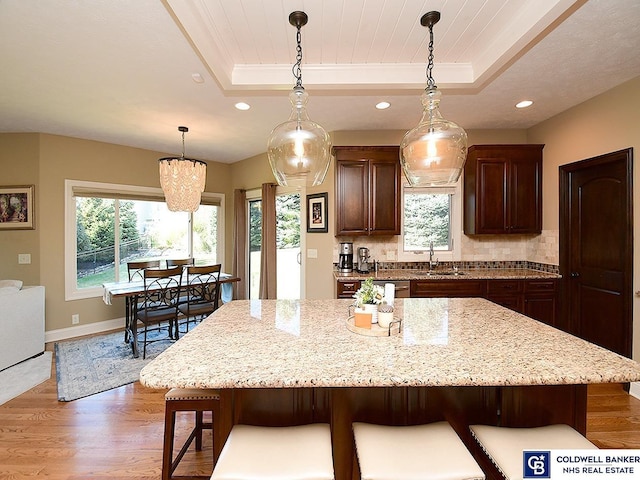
[
  {"x": 19, "y": 165},
  {"x": 606, "y": 123},
  {"x": 47, "y": 161}
]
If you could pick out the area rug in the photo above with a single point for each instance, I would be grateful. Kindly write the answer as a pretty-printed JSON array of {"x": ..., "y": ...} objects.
[
  {"x": 96, "y": 364},
  {"x": 24, "y": 376}
]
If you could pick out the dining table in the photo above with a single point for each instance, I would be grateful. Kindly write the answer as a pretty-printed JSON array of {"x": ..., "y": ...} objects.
[
  {"x": 464, "y": 360},
  {"x": 132, "y": 290}
]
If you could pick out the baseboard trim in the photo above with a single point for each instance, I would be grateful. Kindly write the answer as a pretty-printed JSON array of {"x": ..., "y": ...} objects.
[
  {"x": 635, "y": 389},
  {"x": 81, "y": 330}
]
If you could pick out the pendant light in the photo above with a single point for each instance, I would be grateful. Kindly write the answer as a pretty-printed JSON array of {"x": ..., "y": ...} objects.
[
  {"x": 299, "y": 149},
  {"x": 182, "y": 180},
  {"x": 434, "y": 152}
]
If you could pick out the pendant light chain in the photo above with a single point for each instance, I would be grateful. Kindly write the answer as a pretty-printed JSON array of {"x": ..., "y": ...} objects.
[
  {"x": 297, "y": 67},
  {"x": 430, "y": 81}
]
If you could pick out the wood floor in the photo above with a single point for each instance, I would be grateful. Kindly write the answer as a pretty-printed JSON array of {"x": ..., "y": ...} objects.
[{"x": 118, "y": 434}]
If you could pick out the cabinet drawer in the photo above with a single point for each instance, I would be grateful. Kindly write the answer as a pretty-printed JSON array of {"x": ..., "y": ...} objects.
[
  {"x": 504, "y": 287},
  {"x": 448, "y": 288},
  {"x": 347, "y": 289},
  {"x": 540, "y": 286}
]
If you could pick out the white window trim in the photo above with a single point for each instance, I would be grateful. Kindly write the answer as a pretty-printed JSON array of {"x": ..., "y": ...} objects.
[
  {"x": 70, "y": 231},
  {"x": 452, "y": 255}
]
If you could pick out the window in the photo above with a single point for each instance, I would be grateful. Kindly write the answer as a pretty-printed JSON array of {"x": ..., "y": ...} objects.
[
  {"x": 429, "y": 215},
  {"x": 109, "y": 225}
]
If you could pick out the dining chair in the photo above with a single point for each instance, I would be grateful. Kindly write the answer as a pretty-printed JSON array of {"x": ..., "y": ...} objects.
[
  {"x": 136, "y": 269},
  {"x": 203, "y": 292},
  {"x": 160, "y": 301},
  {"x": 179, "y": 262}
]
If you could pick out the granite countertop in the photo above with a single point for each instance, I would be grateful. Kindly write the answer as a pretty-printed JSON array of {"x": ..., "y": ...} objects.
[
  {"x": 439, "y": 274},
  {"x": 445, "y": 341}
]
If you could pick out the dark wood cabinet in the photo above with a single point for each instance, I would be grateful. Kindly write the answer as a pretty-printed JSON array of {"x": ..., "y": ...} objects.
[
  {"x": 541, "y": 301},
  {"x": 503, "y": 189},
  {"x": 347, "y": 289},
  {"x": 448, "y": 288},
  {"x": 367, "y": 190},
  {"x": 508, "y": 293},
  {"x": 536, "y": 298}
]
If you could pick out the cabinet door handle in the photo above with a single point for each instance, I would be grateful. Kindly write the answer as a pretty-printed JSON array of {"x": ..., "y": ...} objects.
[{"x": 575, "y": 274}]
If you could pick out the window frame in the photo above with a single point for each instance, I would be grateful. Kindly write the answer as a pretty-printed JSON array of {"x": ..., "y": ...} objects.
[
  {"x": 72, "y": 292},
  {"x": 456, "y": 226}
]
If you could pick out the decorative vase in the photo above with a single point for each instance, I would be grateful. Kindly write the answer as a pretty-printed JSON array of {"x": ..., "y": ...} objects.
[{"x": 371, "y": 308}]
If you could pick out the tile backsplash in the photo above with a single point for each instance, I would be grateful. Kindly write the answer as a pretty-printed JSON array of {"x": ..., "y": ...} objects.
[{"x": 540, "y": 249}]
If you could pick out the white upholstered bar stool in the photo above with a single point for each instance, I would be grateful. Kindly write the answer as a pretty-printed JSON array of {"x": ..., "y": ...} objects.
[
  {"x": 197, "y": 400},
  {"x": 417, "y": 452},
  {"x": 504, "y": 445},
  {"x": 276, "y": 453}
]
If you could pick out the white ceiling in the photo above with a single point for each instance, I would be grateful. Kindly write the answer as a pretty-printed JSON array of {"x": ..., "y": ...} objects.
[{"x": 120, "y": 71}]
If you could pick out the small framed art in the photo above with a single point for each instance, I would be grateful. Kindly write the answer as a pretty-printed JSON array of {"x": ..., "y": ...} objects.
[
  {"x": 17, "y": 209},
  {"x": 317, "y": 221}
]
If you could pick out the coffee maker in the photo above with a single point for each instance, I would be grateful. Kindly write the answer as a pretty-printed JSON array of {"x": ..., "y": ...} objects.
[
  {"x": 363, "y": 260},
  {"x": 345, "y": 260}
]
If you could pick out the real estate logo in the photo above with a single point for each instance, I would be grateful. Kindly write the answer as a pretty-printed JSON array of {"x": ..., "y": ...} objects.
[{"x": 536, "y": 464}]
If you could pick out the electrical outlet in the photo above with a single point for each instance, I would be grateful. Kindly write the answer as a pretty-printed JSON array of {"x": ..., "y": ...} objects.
[
  {"x": 24, "y": 258},
  {"x": 75, "y": 319}
]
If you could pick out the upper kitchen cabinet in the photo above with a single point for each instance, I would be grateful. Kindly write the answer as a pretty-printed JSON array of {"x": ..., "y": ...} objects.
[
  {"x": 367, "y": 190},
  {"x": 503, "y": 189}
]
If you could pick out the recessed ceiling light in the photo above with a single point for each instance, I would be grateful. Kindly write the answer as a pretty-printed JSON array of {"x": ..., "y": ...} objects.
[
  {"x": 383, "y": 105},
  {"x": 243, "y": 106},
  {"x": 524, "y": 104},
  {"x": 197, "y": 78}
]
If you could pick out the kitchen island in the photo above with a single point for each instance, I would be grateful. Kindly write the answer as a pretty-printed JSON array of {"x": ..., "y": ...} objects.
[{"x": 466, "y": 360}]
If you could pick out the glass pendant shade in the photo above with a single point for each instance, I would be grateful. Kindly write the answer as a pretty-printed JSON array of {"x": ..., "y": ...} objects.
[
  {"x": 299, "y": 149},
  {"x": 434, "y": 152},
  {"x": 182, "y": 180}
]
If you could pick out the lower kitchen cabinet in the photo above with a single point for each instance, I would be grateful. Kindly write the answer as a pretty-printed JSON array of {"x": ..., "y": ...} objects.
[
  {"x": 347, "y": 289},
  {"x": 536, "y": 298},
  {"x": 448, "y": 288},
  {"x": 541, "y": 301}
]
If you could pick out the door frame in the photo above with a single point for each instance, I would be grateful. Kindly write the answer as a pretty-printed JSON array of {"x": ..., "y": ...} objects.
[{"x": 565, "y": 251}]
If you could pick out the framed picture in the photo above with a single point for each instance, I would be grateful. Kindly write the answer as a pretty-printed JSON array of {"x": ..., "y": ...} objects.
[
  {"x": 17, "y": 209},
  {"x": 317, "y": 213}
]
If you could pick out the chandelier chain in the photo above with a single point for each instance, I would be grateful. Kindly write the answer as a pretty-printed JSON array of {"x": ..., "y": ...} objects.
[
  {"x": 297, "y": 67},
  {"x": 430, "y": 81}
]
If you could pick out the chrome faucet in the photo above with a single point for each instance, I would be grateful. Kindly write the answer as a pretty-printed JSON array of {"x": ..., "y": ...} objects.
[{"x": 432, "y": 263}]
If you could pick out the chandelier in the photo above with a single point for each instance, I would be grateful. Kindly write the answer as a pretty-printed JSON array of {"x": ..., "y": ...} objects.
[
  {"x": 299, "y": 149},
  {"x": 434, "y": 152},
  {"x": 182, "y": 180}
]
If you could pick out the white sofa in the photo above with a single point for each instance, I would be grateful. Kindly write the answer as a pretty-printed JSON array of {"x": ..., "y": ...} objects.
[{"x": 21, "y": 322}]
